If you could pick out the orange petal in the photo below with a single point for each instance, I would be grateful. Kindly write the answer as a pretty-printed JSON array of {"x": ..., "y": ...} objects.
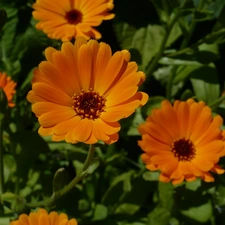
[
  {"x": 45, "y": 131},
  {"x": 52, "y": 118},
  {"x": 66, "y": 126},
  {"x": 114, "y": 69},
  {"x": 178, "y": 181},
  {"x": 85, "y": 66},
  {"x": 217, "y": 169},
  {"x": 64, "y": 64},
  {"x": 82, "y": 130},
  {"x": 54, "y": 218},
  {"x": 48, "y": 93},
  {"x": 214, "y": 146},
  {"x": 58, "y": 137},
  {"x": 40, "y": 108},
  {"x": 112, "y": 139},
  {"x": 164, "y": 178},
  {"x": 108, "y": 127},
  {"x": 43, "y": 219},
  {"x": 207, "y": 177}
]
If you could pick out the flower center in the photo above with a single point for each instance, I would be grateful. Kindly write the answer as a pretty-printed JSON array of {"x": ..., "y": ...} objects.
[
  {"x": 183, "y": 149},
  {"x": 88, "y": 104},
  {"x": 74, "y": 16}
]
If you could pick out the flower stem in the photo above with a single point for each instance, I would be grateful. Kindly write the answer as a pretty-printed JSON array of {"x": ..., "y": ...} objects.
[
  {"x": 57, "y": 195},
  {"x": 154, "y": 63},
  {"x": 89, "y": 158},
  {"x": 170, "y": 82}
]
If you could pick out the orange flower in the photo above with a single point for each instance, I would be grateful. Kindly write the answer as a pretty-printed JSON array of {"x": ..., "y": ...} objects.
[
  {"x": 69, "y": 18},
  {"x": 41, "y": 217},
  {"x": 81, "y": 92},
  {"x": 182, "y": 141},
  {"x": 8, "y": 87}
]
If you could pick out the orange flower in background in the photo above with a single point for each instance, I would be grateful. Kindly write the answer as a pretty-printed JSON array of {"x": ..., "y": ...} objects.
[
  {"x": 69, "y": 19},
  {"x": 183, "y": 141},
  {"x": 41, "y": 217},
  {"x": 81, "y": 92},
  {"x": 8, "y": 86}
]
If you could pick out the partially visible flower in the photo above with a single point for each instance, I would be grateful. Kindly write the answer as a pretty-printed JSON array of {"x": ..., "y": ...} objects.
[
  {"x": 41, "y": 217},
  {"x": 183, "y": 141},
  {"x": 81, "y": 92},
  {"x": 8, "y": 86},
  {"x": 69, "y": 19}
]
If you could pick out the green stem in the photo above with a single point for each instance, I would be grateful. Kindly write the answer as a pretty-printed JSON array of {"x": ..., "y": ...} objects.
[
  {"x": 57, "y": 195},
  {"x": 1, "y": 158},
  {"x": 170, "y": 82},
  {"x": 218, "y": 101},
  {"x": 192, "y": 27},
  {"x": 154, "y": 63},
  {"x": 183, "y": 49},
  {"x": 89, "y": 158}
]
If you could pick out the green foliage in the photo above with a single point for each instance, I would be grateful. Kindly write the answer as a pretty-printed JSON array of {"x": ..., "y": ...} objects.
[{"x": 180, "y": 45}]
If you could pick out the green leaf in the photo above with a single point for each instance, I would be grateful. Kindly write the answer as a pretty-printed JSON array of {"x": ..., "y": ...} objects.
[
  {"x": 9, "y": 166},
  {"x": 205, "y": 84},
  {"x": 100, "y": 212},
  {"x": 175, "y": 33},
  {"x": 115, "y": 189},
  {"x": 127, "y": 208},
  {"x": 150, "y": 176},
  {"x": 146, "y": 40},
  {"x": 5, "y": 220},
  {"x": 207, "y": 53},
  {"x": 177, "y": 62},
  {"x": 166, "y": 195},
  {"x": 194, "y": 185},
  {"x": 84, "y": 205},
  {"x": 220, "y": 23},
  {"x": 93, "y": 166},
  {"x": 159, "y": 216},
  {"x": 8, "y": 197},
  {"x": 201, "y": 213},
  {"x": 202, "y": 15},
  {"x": 165, "y": 8},
  {"x": 183, "y": 72},
  {"x": 215, "y": 37},
  {"x": 186, "y": 95}
]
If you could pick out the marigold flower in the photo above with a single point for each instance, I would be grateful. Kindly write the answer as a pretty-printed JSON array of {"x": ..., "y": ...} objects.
[
  {"x": 41, "y": 217},
  {"x": 183, "y": 141},
  {"x": 67, "y": 19},
  {"x": 8, "y": 86},
  {"x": 81, "y": 92}
]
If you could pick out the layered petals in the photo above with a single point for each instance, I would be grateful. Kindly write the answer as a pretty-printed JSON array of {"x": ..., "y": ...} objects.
[
  {"x": 41, "y": 217},
  {"x": 8, "y": 86},
  {"x": 69, "y": 19},
  {"x": 184, "y": 141},
  {"x": 81, "y": 92}
]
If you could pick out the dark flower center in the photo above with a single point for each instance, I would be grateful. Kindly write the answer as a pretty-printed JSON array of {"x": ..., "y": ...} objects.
[
  {"x": 74, "y": 16},
  {"x": 183, "y": 149},
  {"x": 88, "y": 104}
]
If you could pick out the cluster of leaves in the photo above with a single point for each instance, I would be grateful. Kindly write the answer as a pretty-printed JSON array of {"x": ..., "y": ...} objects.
[{"x": 180, "y": 45}]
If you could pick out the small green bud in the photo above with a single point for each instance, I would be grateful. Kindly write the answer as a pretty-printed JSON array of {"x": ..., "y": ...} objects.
[{"x": 60, "y": 179}]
